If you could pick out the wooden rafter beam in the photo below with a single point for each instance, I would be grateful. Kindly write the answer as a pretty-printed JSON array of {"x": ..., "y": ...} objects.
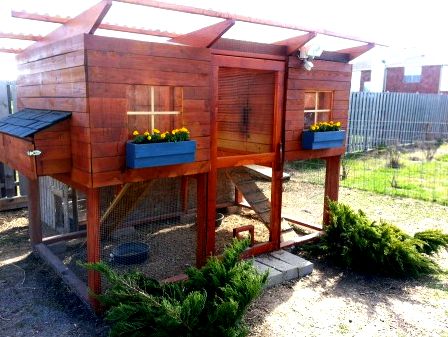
[
  {"x": 205, "y": 37},
  {"x": 11, "y": 50},
  {"x": 107, "y": 26},
  {"x": 294, "y": 43},
  {"x": 354, "y": 52},
  {"x": 85, "y": 23},
  {"x": 28, "y": 37},
  {"x": 236, "y": 17}
]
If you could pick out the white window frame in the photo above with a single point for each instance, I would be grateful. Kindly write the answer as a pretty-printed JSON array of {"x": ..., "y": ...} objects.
[{"x": 316, "y": 105}]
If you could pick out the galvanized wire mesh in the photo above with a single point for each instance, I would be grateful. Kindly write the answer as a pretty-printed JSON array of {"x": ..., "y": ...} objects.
[
  {"x": 146, "y": 226},
  {"x": 63, "y": 211}
]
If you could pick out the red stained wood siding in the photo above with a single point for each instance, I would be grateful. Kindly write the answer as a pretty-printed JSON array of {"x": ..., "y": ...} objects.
[
  {"x": 120, "y": 76},
  {"x": 325, "y": 76}
]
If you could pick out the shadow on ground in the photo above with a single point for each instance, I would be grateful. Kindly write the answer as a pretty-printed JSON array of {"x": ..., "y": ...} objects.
[{"x": 34, "y": 301}]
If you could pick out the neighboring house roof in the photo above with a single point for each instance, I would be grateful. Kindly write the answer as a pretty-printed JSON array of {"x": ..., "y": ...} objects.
[{"x": 29, "y": 121}]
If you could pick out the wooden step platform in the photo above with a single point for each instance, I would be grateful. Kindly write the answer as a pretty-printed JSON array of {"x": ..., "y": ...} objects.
[
  {"x": 265, "y": 172},
  {"x": 282, "y": 266}
]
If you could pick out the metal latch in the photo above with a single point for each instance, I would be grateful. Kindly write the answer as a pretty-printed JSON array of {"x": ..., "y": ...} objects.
[{"x": 34, "y": 153}]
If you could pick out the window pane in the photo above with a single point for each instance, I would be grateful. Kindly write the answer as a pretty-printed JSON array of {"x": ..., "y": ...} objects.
[
  {"x": 324, "y": 100},
  {"x": 310, "y": 101},
  {"x": 323, "y": 116},
  {"x": 309, "y": 119}
]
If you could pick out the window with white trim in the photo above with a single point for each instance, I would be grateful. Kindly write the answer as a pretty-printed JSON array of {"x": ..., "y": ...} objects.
[{"x": 318, "y": 105}]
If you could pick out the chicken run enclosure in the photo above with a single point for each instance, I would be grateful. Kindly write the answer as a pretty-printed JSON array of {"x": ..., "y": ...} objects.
[{"x": 81, "y": 96}]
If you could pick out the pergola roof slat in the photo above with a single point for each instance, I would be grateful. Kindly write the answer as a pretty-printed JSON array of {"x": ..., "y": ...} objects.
[
  {"x": 237, "y": 17},
  {"x": 27, "y": 37},
  {"x": 205, "y": 37},
  {"x": 107, "y": 26}
]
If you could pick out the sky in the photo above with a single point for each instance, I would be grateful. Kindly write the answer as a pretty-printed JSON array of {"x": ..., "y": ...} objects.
[{"x": 409, "y": 28}]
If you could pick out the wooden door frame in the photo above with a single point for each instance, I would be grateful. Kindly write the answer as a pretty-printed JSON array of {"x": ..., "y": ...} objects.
[{"x": 273, "y": 159}]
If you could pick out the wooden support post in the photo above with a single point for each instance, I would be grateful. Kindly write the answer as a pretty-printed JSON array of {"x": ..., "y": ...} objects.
[
  {"x": 93, "y": 243},
  {"x": 331, "y": 183},
  {"x": 35, "y": 225},
  {"x": 212, "y": 180},
  {"x": 201, "y": 219},
  {"x": 238, "y": 197},
  {"x": 277, "y": 165}
]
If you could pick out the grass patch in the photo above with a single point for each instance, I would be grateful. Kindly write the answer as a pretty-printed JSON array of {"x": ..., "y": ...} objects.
[{"x": 415, "y": 178}]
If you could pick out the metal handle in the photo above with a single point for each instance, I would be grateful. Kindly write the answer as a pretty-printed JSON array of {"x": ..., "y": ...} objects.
[{"x": 34, "y": 153}]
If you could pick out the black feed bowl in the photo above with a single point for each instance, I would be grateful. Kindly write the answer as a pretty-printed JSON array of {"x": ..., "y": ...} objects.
[
  {"x": 219, "y": 219},
  {"x": 130, "y": 253}
]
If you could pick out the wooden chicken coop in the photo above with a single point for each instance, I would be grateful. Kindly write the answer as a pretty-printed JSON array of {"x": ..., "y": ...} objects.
[{"x": 81, "y": 96}]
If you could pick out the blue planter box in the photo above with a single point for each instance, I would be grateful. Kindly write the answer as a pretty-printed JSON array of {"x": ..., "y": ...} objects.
[
  {"x": 159, "y": 154},
  {"x": 322, "y": 140}
]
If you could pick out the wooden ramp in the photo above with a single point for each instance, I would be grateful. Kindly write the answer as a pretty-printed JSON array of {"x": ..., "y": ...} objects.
[
  {"x": 257, "y": 200},
  {"x": 245, "y": 182},
  {"x": 124, "y": 203}
]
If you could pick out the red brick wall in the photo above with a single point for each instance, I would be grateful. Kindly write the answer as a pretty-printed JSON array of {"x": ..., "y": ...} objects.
[
  {"x": 366, "y": 76},
  {"x": 429, "y": 82}
]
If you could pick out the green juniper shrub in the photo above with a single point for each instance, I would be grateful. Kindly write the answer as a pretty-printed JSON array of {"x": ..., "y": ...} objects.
[
  {"x": 353, "y": 241},
  {"x": 433, "y": 240},
  {"x": 211, "y": 302}
]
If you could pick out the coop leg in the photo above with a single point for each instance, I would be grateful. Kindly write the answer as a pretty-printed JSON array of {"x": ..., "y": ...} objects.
[
  {"x": 35, "y": 225},
  {"x": 93, "y": 243},
  {"x": 331, "y": 183},
  {"x": 201, "y": 220},
  {"x": 75, "y": 211},
  {"x": 276, "y": 205}
]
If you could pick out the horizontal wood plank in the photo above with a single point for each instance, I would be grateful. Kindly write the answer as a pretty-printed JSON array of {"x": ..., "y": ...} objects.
[
  {"x": 69, "y": 75},
  {"x": 134, "y": 61},
  {"x": 56, "y": 48},
  {"x": 68, "y": 60},
  {"x": 102, "y": 43},
  {"x": 53, "y": 90},
  {"x": 107, "y": 112},
  {"x": 150, "y": 77}
]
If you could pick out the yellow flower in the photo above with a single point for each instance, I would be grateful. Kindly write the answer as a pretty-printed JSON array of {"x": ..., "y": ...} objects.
[
  {"x": 148, "y": 138},
  {"x": 184, "y": 129},
  {"x": 338, "y": 124},
  {"x": 174, "y": 131},
  {"x": 163, "y": 135},
  {"x": 135, "y": 133},
  {"x": 155, "y": 131},
  {"x": 146, "y": 133}
]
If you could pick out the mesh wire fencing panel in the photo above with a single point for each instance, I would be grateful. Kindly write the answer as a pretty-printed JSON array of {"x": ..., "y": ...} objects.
[
  {"x": 413, "y": 171},
  {"x": 63, "y": 211},
  {"x": 146, "y": 226},
  {"x": 303, "y": 193},
  {"x": 398, "y": 145}
]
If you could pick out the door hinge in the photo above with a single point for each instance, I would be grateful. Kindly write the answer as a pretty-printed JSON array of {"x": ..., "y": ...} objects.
[{"x": 34, "y": 153}]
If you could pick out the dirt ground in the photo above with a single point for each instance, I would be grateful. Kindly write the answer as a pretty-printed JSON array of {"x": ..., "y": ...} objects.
[{"x": 329, "y": 302}]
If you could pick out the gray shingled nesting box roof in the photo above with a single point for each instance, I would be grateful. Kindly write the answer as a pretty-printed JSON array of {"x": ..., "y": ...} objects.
[{"x": 29, "y": 121}]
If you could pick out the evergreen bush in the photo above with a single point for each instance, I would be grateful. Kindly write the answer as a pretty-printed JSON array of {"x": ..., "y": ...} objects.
[
  {"x": 353, "y": 241},
  {"x": 211, "y": 302}
]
